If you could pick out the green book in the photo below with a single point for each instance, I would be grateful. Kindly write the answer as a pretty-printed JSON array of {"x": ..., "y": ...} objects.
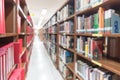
[{"x": 96, "y": 23}]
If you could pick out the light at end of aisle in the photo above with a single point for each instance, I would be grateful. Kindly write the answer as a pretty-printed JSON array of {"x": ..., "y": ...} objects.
[
  {"x": 44, "y": 11},
  {"x": 32, "y": 14}
]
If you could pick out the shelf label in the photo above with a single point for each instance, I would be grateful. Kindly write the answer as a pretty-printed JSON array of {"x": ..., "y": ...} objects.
[
  {"x": 98, "y": 35},
  {"x": 97, "y": 63}
]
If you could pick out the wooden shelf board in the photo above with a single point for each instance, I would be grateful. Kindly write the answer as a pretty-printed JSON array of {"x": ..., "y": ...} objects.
[
  {"x": 23, "y": 51},
  {"x": 71, "y": 50},
  {"x": 79, "y": 77},
  {"x": 53, "y": 33},
  {"x": 71, "y": 67},
  {"x": 67, "y": 34},
  {"x": 110, "y": 65},
  {"x": 107, "y": 4},
  {"x": 8, "y": 75},
  {"x": 98, "y": 35},
  {"x": 68, "y": 18},
  {"x": 22, "y": 34},
  {"x": 8, "y": 35}
]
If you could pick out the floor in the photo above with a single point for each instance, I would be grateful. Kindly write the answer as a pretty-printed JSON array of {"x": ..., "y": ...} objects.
[{"x": 41, "y": 66}]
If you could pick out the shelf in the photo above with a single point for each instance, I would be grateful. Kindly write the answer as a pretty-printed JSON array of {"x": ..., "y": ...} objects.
[
  {"x": 71, "y": 50},
  {"x": 29, "y": 33},
  {"x": 8, "y": 75},
  {"x": 98, "y": 35},
  {"x": 67, "y": 34},
  {"x": 8, "y": 35},
  {"x": 107, "y": 4},
  {"x": 22, "y": 34},
  {"x": 23, "y": 52},
  {"x": 105, "y": 63},
  {"x": 71, "y": 67},
  {"x": 68, "y": 18},
  {"x": 53, "y": 33},
  {"x": 52, "y": 42}
]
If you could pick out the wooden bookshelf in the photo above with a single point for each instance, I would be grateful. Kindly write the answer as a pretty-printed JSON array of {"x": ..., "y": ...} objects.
[
  {"x": 105, "y": 63},
  {"x": 13, "y": 22},
  {"x": 107, "y": 5}
]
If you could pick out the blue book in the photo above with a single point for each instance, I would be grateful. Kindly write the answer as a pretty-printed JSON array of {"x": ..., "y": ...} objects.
[{"x": 115, "y": 23}]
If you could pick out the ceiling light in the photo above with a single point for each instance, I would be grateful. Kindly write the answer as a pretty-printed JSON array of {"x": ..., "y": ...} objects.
[{"x": 44, "y": 11}]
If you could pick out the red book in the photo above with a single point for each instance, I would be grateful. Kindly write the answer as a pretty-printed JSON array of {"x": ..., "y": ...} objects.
[
  {"x": 18, "y": 74},
  {"x": 97, "y": 48},
  {"x": 2, "y": 17},
  {"x": 24, "y": 57},
  {"x": 16, "y": 52},
  {"x": 21, "y": 42}
]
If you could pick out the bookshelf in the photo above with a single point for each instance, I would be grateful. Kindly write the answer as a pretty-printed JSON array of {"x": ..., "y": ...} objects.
[
  {"x": 16, "y": 37},
  {"x": 81, "y": 26}
]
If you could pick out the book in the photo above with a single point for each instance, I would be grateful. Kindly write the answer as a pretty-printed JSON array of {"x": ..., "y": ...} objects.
[
  {"x": 96, "y": 23},
  {"x": 113, "y": 49},
  {"x": 101, "y": 19},
  {"x": 18, "y": 74},
  {"x": 2, "y": 17},
  {"x": 115, "y": 23},
  {"x": 97, "y": 48},
  {"x": 16, "y": 52}
]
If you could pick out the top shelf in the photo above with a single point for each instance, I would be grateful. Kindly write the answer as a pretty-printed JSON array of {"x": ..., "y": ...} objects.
[{"x": 114, "y": 4}]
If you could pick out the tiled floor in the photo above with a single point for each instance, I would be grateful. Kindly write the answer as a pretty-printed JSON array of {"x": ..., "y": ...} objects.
[{"x": 41, "y": 66}]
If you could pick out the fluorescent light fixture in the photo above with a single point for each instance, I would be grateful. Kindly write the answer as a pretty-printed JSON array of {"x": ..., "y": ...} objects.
[{"x": 44, "y": 11}]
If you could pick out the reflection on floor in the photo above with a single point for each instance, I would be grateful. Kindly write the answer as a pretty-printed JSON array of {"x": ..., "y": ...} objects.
[{"x": 41, "y": 66}]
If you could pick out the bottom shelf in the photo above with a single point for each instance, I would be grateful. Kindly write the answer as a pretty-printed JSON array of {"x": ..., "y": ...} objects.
[{"x": 108, "y": 64}]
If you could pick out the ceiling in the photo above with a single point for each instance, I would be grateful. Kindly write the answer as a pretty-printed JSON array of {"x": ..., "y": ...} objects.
[{"x": 35, "y": 7}]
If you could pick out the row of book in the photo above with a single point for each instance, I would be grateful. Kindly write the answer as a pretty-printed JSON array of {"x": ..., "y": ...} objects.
[
  {"x": 29, "y": 38},
  {"x": 9, "y": 56},
  {"x": 18, "y": 74},
  {"x": 53, "y": 38},
  {"x": 66, "y": 56},
  {"x": 90, "y": 47},
  {"x": 29, "y": 29},
  {"x": 66, "y": 73},
  {"x": 65, "y": 12},
  {"x": 102, "y": 22},
  {"x": 84, "y": 4},
  {"x": 52, "y": 29},
  {"x": 53, "y": 19},
  {"x": 2, "y": 19},
  {"x": 66, "y": 41},
  {"x": 113, "y": 51},
  {"x": 67, "y": 27},
  {"x": 89, "y": 72}
]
